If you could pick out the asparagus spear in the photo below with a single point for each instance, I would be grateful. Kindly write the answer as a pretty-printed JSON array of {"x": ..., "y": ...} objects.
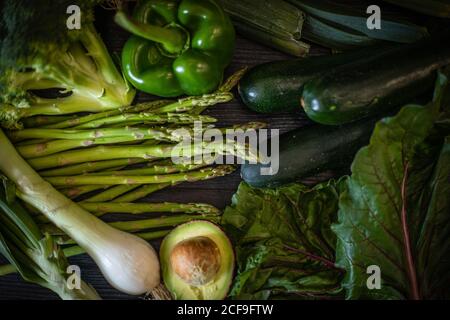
[
  {"x": 202, "y": 174},
  {"x": 142, "y": 191},
  {"x": 111, "y": 193},
  {"x": 94, "y": 116},
  {"x": 191, "y": 103},
  {"x": 8, "y": 269},
  {"x": 55, "y": 146},
  {"x": 141, "y": 225},
  {"x": 30, "y": 151},
  {"x": 233, "y": 80},
  {"x": 149, "y": 118},
  {"x": 72, "y": 134},
  {"x": 91, "y": 166},
  {"x": 101, "y": 208},
  {"x": 151, "y": 169},
  {"x": 155, "y": 107},
  {"x": 198, "y": 104},
  {"x": 80, "y": 190},
  {"x": 141, "y": 151},
  {"x": 77, "y": 191},
  {"x": 68, "y": 140},
  {"x": 39, "y": 121},
  {"x": 161, "y": 222},
  {"x": 163, "y": 167},
  {"x": 30, "y": 141}
]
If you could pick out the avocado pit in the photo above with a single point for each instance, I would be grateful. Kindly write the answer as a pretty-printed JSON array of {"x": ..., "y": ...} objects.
[{"x": 196, "y": 260}]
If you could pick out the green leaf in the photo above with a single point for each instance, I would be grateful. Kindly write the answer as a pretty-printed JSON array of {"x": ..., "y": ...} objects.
[
  {"x": 20, "y": 261},
  {"x": 29, "y": 231},
  {"x": 284, "y": 244},
  {"x": 9, "y": 188},
  {"x": 36, "y": 257},
  {"x": 394, "y": 211},
  {"x": 433, "y": 245}
]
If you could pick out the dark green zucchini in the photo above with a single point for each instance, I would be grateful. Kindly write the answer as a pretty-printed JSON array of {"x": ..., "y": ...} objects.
[
  {"x": 311, "y": 150},
  {"x": 376, "y": 84},
  {"x": 277, "y": 86}
]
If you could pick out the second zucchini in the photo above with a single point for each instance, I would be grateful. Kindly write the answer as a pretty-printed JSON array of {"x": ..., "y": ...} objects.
[{"x": 375, "y": 84}]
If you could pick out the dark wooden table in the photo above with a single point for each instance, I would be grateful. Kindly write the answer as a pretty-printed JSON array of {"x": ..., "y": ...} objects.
[{"x": 217, "y": 192}]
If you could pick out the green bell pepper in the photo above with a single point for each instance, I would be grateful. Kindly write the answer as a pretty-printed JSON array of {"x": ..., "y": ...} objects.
[{"x": 177, "y": 47}]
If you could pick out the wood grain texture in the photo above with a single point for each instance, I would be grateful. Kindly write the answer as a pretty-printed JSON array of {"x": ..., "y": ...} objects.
[{"x": 217, "y": 192}]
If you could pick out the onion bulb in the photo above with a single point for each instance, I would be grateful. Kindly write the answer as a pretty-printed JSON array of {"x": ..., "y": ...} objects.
[{"x": 128, "y": 263}]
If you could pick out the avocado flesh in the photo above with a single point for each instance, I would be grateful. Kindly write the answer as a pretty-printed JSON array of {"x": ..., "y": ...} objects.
[{"x": 218, "y": 287}]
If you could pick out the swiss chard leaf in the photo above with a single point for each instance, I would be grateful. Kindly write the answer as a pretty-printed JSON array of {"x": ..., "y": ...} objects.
[
  {"x": 432, "y": 243},
  {"x": 394, "y": 212},
  {"x": 284, "y": 243}
]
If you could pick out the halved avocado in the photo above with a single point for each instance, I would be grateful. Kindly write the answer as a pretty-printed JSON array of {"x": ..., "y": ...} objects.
[{"x": 197, "y": 261}]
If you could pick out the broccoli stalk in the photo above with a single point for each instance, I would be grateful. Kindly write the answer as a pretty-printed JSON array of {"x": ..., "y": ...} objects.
[{"x": 38, "y": 52}]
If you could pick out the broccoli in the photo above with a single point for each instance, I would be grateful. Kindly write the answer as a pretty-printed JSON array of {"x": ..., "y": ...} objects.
[{"x": 38, "y": 51}]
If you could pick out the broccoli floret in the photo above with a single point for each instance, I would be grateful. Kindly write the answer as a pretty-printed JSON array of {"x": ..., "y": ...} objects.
[{"x": 38, "y": 51}]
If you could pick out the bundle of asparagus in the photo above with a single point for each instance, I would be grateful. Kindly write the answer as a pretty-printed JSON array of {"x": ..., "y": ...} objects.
[{"x": 88, "y": 158}]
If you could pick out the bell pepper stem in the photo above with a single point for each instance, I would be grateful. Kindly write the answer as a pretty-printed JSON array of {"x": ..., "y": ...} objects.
[{"x": 172, "y": 39}]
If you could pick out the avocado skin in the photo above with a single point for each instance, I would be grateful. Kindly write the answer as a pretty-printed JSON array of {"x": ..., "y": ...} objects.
[{"x": 215, "y": 290}]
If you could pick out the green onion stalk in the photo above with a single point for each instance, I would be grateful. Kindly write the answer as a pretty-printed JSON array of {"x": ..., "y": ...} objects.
[
  {"x": 36, "y": 256},
  {"x": 74, "y": 250},
  {"x": 128, "y": 263},
  {"x": 129, "y": 226}
]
